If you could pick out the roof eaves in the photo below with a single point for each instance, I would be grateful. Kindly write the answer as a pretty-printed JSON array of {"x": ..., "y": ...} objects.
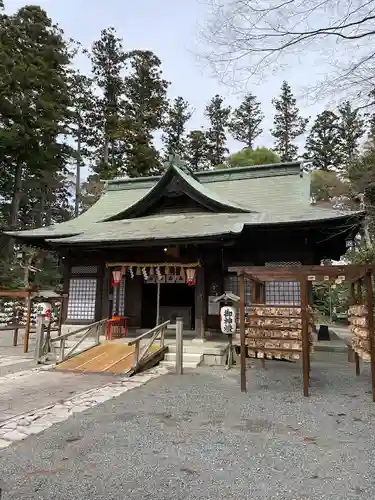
[{"x": 80, "y": 239}]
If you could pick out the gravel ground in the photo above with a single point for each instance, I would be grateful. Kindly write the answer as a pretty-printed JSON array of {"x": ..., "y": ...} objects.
[{"x": 197, "y": 437}]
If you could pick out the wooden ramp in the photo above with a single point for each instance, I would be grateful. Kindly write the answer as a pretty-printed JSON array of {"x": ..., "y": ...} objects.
[
  {"x": 109, "y": 358},
  {"x": 104, "y": 358}
]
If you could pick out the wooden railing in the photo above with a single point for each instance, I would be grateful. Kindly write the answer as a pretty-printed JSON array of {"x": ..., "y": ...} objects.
[
  {"x": 157, "y": 333},
  {"x": 94, "y": 330}
]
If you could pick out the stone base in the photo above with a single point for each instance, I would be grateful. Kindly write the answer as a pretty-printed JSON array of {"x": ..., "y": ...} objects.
[{"x": 198, "y": 340}]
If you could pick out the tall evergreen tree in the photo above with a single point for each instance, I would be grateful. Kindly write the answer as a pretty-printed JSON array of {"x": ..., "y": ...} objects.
[
  {"x": 352, "y": 129},
  {"x": 83, "y": 101},
  {"x": 108, "y": 60},
  {"x": 287, "y": 123},
  {"x": 146, "y": 94},
  {"x": 196, "y": 151},
  {"x": 246, "y": 119},
  {"x": 218, "y": 115},
  {"x": 174, "y": 139},
  {"x": 34, "y": 113},
  {"x": 323, "y": 144}
]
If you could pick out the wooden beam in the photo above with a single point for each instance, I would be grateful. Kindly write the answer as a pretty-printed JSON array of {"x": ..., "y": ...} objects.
[
  {"x": 351, "y": 272},
  {"x": 28, "y": 323},
  {"x": 253, "y": 278},
  {"x": 242, "y": 333},
  {"x": 20, "y": 294},
  {"x": 370, "y": 324}
]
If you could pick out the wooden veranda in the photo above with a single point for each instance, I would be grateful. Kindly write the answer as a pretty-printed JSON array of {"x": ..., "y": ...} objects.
[{"x": 360, "y": 278}]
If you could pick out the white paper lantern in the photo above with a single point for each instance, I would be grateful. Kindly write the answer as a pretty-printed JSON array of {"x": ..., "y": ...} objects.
[{"x": 228, "y": 320}]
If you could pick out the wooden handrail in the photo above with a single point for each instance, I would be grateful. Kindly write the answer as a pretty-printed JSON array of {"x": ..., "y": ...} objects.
[
  {"x": 138, "y": 355},
  {"x": 156, "y": 328},
  {"x": 74, "y": 332},
  {"x": 89, "y": 329}
]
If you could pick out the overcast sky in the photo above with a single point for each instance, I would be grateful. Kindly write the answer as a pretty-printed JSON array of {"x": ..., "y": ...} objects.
[{"x": 170, "y": 28}]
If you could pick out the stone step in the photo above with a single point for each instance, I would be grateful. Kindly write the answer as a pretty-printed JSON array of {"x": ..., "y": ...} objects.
[
  {"x": 172, "y": 364},
  {"x": 206, "y": 348},
  {"x": 187, "y": 357}
]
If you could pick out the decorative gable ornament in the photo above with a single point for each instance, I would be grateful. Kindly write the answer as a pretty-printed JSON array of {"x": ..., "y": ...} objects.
[{"x": 190, "y": 277}]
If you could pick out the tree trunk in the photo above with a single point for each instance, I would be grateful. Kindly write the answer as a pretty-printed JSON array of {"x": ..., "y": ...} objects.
[
  {"x": 106, "y": 152},
  {"x": 15, "y": 206},
  {"x": 78, "y": 174}
]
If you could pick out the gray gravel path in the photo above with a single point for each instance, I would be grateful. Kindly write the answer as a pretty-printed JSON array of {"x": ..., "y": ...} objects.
[{"x": 198, "y": 437}]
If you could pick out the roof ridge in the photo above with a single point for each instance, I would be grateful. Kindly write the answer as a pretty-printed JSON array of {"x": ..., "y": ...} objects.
[{"x": 293, "y": 168}]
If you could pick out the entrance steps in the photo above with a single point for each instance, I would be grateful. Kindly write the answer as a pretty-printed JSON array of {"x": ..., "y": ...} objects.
[
  {"x": 195, "y": 354},
  {"x": 189, "y": 360}
]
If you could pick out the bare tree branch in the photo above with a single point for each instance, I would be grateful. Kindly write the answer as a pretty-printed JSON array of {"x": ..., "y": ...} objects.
[{"x": 248, "y": 38}]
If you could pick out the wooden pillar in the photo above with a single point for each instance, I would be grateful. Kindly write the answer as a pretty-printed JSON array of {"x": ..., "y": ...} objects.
[
  {"x": 370, "y": 324},
  {"x": 99, "y": 292},
  {"x": 28, "y": 322},
  {"x": 105, "y": 312},
  {"x": 359, "y": 291},
  {"x": 200, "y": 304},
  {"x": 66, "y": 278},
  {"x": 242, "y": 333},
  {"x": 353, "y": 301},
  {"x": 305, "y": 335}
]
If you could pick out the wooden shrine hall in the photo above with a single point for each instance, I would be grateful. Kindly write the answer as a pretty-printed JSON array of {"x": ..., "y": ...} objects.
[{"x": 154, "y": 248}]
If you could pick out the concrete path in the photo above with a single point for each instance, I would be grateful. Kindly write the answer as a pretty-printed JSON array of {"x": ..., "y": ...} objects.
[{"x": 197, "y": 437}]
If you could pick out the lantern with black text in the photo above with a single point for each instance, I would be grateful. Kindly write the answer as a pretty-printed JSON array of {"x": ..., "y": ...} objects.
[{"x": 228, "y": 320}]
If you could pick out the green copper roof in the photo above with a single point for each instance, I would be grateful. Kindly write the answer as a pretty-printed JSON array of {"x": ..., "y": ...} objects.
[
  {"x": 193, "y": 226},
  {"x": 267, "y": 194}
]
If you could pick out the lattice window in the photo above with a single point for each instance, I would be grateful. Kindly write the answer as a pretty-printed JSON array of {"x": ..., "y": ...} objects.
[
  {"x": 232, "y": 284},
  {"x": 84, "y": 270},
  {"x": 282, "y": 292},
  {"x": 82, "y": 299},
  {"x": 121, "y": 300}
]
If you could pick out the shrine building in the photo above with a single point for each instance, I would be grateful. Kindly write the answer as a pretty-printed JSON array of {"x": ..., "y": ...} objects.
[{"x": 154, "y": 248}]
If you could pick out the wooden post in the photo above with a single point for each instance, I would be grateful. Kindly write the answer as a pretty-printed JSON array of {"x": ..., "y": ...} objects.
[
  {"x": 242, "y": 333},
  {"x": 59, "y": 320},
  {"x": 62, "y": 349},
  {"x": 200, "y": 298},
  {"x": 39, "y": 337},
  {"x": 136, "y": 353},
  {"x": 15, "y": 336},
  {"x": 28, "y": 322},
  {"x": 158, "y": 303},
  {"x": 305, "y": 335},
  {"x": 353, "y": 301},
  {"x": 359, "y": 291},
  {"x": 179, "y": 345},
  {"x": 370, "y": 324}
]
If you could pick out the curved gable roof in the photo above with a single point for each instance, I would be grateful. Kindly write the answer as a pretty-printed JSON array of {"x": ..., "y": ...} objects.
[{"x": 191, "y": 187}]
